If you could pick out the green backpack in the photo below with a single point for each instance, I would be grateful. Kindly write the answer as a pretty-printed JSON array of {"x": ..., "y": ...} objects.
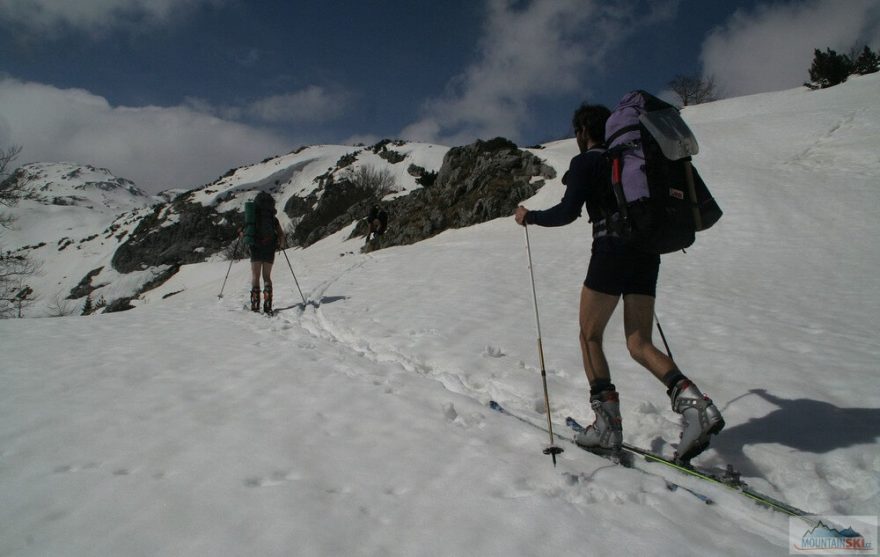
[{"x": 259, "y": 221}]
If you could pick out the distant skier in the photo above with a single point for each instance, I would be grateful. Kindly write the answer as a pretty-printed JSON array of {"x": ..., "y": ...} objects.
[
  {"x": 617, "y": 270},
  {"x": 264, "y": 235},
  {"x": 377, "y": 221}
]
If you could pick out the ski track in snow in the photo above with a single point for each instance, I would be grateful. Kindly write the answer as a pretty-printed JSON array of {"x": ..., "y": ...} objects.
[
  {"x": 588, "y": 487},
  {"x": 391, "y": 357}
]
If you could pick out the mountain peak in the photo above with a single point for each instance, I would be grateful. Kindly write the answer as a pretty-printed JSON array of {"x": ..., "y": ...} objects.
[{"x": 66, "y": 183}]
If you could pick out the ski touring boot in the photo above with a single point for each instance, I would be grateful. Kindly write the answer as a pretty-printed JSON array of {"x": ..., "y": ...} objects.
[
  {"x": 267, "y": 299},
  {"x": 701, "y": 418},
  {"x": 605, "y": 434},
  {"x": 255, "y": 298}
]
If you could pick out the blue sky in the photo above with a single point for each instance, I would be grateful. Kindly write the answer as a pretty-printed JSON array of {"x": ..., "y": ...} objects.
[{"x": 172, "y": 93}]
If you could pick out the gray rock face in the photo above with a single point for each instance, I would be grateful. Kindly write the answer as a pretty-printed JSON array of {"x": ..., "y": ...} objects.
[
  {"x": 476, "y": 183},
  {"x": 176, "y": 234}
]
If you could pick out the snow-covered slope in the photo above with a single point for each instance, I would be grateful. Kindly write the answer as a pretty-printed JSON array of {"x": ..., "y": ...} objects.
[
  {"x": 71, "y": 219},
  {"x": 358, "y": 425},
  {"x": 298, "y": 173},
  {"x": 66, "y": 199}
]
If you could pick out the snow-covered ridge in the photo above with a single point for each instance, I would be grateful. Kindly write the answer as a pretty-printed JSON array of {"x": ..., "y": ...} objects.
[
  {"x": 70, "y": 210},
  {"x": 359, "y": 425},
  {"x": 299, "y": 173},
  {"x": 68, "y": 206},
  {"x": 79, "y": 185}
]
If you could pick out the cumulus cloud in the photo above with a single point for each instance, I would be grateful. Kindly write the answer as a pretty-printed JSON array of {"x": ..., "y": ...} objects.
[
  {"x": 771, "y": 47},
  {"x": 156, "y": 147},
  {"x": 92, "y": 16},
  {"x": 312, "y": 104},
  {"x": 529, "y": 51},
  {"x": 306, "y": 106}
]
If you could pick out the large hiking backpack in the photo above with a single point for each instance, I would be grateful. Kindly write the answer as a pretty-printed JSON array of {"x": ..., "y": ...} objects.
[
  {"x": 378, "y": 213},
  {"x": 259, "y": 219},
  {"x": 659, "y": 201}
]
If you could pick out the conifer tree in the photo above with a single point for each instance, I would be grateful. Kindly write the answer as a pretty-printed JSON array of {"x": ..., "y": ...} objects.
[
  {"x": 866, "y": 62},
  {"x": 828, "y": 69}
]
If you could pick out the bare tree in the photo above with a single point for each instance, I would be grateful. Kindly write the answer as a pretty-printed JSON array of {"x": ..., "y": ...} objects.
[
  {"x": 8, "y": 188},
  {"x": 380, "y": 181},
  {"x": 60, "y": 306},
  {"x": 864, "y": 61},
  {"x": 15, "y": 268},
  {"x": 15, "y": 293},
  {"x": 6, "y": 158},
  {"x": 11, "y": 186},
  {"x": 692, "y": 89}
]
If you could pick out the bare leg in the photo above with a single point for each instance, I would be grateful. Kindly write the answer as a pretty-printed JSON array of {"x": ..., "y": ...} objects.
[
  {"x": 255, "y": 274},
  {"x": 595, "y": 310},
  {"x": 606, "y": 432},
  {"x": 638, "y": 322},
  {"x": 267, "y": 287},
  {"x": 255, "y": 285},
  {"x": 267, "y": 274}
]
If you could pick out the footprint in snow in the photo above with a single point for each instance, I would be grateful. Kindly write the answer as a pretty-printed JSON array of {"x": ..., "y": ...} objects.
[
  {"x": 71, "y": 468},
  {"x": 493, "y": 352},
  {"x": 279, "y": 477}
]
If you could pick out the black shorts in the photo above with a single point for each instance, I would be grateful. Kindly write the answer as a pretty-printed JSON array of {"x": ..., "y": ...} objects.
[
  {"x": 263, "y": 254},
  {"x": 619, "y": 271}
]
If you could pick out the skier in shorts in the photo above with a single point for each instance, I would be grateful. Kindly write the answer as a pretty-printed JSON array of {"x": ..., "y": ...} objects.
[
  {"x": 268, "y": 238},
  {"x": 618, "y": 270}
]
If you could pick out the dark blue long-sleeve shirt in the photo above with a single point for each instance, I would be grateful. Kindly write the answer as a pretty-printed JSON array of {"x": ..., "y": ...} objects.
[{"x": 586, "y": 180}]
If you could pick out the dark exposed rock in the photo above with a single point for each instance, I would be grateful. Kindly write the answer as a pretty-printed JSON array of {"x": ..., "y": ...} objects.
[
  {"x": 338, "y": 206},
  {"x": 176, "y": 234},
  {"x": 392, "y": 156},
  {"x": 159, "y": 279},
  {"x": 476, "y": 183},
  {"x": 119, "y": 304},
  {"x": 85, "y": 287}
]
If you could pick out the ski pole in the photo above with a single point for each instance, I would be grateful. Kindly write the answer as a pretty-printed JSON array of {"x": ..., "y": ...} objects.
[
  {"x": 231, "y": 261},
  {"x": 552, "y": 450},
  {"x": 284, "y": 251},
  {"x": 666, "y": 344}
]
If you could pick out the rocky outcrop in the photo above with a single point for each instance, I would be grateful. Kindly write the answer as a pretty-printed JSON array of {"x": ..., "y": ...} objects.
[
  {"x": 85, "y": 286},
  {"x": 476, "y": 183},
  {"x": 341, "y": 203},
  {"x": 176, "y": 234}
]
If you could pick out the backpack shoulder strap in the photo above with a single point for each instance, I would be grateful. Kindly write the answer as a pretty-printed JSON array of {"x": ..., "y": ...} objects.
[{"x": 626, "y": 129}]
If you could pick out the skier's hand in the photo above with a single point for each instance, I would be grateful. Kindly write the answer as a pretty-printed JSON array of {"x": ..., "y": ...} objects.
[{"x": 520, "y": 215}]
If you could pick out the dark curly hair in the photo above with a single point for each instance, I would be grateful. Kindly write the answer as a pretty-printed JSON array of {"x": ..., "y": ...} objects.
[{"x": 591, "y": 117}]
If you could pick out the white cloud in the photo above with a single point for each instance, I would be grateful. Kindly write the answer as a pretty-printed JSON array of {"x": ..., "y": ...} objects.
[
  {"x": 307, "y": 106},
  {"x": 771, "y": 47},
  {"x": 529, "y": 51},
  {"x": 91, "y": 16},
  {"x": 157, "y": 147},
  {"x": 312, "y": 104},
  {"x": 361, "y": 139}
]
